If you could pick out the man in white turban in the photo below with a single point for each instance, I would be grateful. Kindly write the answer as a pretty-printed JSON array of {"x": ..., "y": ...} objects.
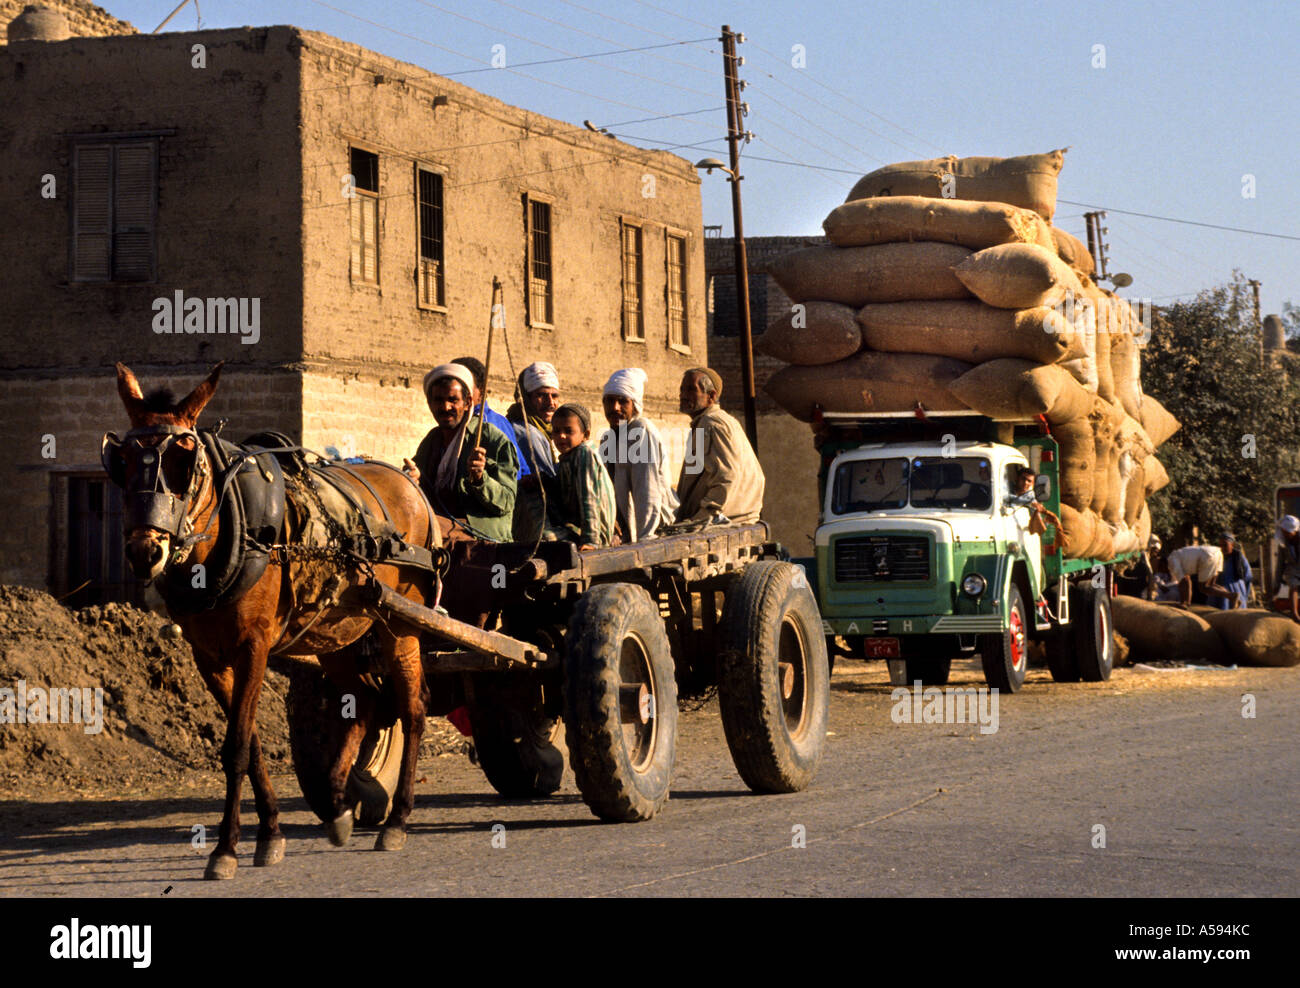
[
  {"x": 633, "y": 451},
  {"x": 473, "y": 483},
  {"x": 539, "y": 397}
]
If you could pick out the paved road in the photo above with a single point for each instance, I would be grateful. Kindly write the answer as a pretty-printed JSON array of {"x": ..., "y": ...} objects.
[{"x": 1194, "y": 798}]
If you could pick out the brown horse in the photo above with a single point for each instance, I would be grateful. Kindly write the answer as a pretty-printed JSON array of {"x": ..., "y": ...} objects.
[{"x": 172, "y": 522}]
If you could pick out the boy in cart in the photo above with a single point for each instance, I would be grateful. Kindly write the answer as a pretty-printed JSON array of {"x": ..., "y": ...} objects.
[{"x": 583, "y": 507}]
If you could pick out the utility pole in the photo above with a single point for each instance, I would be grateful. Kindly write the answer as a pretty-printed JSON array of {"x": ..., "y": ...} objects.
[
  {"x": 735, "y": 134},
  {"x": 1097, "y": 245}
]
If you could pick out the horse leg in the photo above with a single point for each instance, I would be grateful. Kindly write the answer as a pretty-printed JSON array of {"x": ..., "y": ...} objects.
[
  {"x": 339, "y": 830},
  {"x": 406, "y": 674},
  {"x": 235, "y": 756},
  {"x": 270, "y": 842}
]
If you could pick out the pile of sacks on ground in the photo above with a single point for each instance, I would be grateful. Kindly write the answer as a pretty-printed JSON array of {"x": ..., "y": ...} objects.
[
  {"x": 946, "y": 288},
  {"x": 1251, "y": 637}
]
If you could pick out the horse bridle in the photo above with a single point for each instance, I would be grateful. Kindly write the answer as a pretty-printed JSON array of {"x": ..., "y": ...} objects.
[{"x": 152, "y": 503}]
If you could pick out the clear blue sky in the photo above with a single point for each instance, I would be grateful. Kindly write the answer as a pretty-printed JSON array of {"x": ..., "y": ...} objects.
[{"x": 1192, "y": 98}]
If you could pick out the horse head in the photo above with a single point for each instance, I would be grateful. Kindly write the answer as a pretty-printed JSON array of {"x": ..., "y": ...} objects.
[{"x": 161, "y": 467}]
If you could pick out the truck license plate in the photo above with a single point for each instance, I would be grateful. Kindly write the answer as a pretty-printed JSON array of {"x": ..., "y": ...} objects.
[{"x": 882, "y": 648}]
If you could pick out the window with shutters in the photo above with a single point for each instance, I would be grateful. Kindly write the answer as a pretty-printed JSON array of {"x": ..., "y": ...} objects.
[
  {"x": 633, "y": 283},
  {"x": 364, "y": 223},
  {"x": 541, "y": 280},
  {"x": 114, "y": 210},
  {"x": 428, "y": 274},
  {"x": 679, "y": 337}
]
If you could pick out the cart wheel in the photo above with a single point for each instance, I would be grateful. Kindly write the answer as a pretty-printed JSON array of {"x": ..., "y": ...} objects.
[
  {"x": 773, "y": 678},
  {"x": 1006, "y": 655},
  {"x": 519, "y": 745},
  {"x": 1094, "y": 646},
  {"x": 620, "y": 702},
  {"x": 315, "y": 732}
]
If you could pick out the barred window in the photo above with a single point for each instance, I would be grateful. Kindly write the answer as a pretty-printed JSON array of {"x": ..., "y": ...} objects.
[
  {"x": 633, "y": 284},
  {"x": 364, "y": 215},
  {"x": 429, "y": 274},
  {"x": 675, "y": 290},
  {"x": 541, "y": 301}
]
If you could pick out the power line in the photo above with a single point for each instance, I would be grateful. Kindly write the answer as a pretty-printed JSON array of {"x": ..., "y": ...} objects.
[
  {"x": 671, "y": 13},
  {"x": 542, "y": 44},
  {"x": 568, "y": 58},
  {"x": 1173, "y": 219}
]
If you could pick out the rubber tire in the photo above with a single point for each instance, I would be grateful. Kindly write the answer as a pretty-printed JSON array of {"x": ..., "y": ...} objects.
[
  {"x": 1000, "y": 672},
  {"x": 310, "y": 708},
  {"x": 1094, "y": 646},
  {"x": 603, "y": 619},
  {"x": 760, "y": 605},
  {"x": 514, "y": 739},
  {"x": 931, "y": 672},
  {"x": 1062, "y": 662}
]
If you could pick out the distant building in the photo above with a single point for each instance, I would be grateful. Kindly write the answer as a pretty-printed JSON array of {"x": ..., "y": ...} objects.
[
  {"x": 784, "y": 444},
  {"x": 339, "y": 216}
]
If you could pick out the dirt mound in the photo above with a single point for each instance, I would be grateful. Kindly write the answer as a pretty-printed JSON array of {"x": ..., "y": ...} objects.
[{"x": 157, "y": 719}]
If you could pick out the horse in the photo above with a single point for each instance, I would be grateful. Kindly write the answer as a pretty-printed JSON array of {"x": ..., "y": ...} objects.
[{"x": 174, "y": 509}]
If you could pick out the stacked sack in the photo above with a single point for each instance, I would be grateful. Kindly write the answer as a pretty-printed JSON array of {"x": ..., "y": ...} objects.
[{"x": 945, "y": 288}]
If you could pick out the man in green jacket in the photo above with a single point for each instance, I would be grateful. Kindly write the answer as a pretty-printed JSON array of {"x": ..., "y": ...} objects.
[{"x": 474, "y": 484}]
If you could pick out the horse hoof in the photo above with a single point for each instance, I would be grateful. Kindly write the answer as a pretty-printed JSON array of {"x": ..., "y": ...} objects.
[
  {"x": 221, "y": 866},
  {"x": 269, "y": 851},
  {"x": 340, "y": 829},
  {"x": 391, "y": 839}
]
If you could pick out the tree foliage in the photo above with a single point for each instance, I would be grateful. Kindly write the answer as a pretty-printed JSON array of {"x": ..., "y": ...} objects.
[{"x": 1241, "y": 421}]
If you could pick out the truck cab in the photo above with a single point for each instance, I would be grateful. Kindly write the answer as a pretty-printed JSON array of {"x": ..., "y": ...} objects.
[{"x": 923, "y": 552}]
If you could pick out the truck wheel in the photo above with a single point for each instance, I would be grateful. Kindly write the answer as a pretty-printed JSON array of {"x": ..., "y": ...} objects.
[
  {"x": 773, "y": 678},
  {"x": 931, "y": 672},
  {"x": 1094, "y": 646},
  {"x": 620, "y": 702},
  {"x": 311, "y": 708},
  {"x": 519, "y": 745},
  {"x": 1061, "y": 661},
  {"x": 1006, "y": 655}
]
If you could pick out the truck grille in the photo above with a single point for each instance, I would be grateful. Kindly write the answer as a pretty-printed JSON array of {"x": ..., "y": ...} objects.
[{"x": 882, "y": 558}]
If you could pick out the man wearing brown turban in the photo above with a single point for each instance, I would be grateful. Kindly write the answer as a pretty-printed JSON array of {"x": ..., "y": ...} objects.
[{"x": 720, "y": 473}]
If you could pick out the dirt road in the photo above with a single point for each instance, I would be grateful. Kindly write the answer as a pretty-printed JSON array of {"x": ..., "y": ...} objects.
[{"x": 1195, "y": 799}]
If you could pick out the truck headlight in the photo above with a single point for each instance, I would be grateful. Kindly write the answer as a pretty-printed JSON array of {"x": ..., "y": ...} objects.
[{"x": 974, "y": 585}]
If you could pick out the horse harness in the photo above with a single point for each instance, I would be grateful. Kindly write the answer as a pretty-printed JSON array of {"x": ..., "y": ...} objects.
[{"x": 252, "y": 483}]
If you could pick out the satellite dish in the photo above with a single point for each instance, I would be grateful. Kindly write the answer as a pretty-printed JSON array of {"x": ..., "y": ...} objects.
[{"x": 1121, "y": 280}]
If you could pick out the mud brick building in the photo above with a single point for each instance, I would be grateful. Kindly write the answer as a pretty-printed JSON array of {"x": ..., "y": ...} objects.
[
  {"x": 785, "y": 448},
  {"x": 362, "y": 203}
]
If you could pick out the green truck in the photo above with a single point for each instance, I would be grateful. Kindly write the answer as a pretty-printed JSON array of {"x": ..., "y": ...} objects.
[{"x": 922, "y": 556}]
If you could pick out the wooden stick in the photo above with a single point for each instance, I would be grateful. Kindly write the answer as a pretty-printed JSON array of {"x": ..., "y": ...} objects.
[{"x": 487, "y": 364}]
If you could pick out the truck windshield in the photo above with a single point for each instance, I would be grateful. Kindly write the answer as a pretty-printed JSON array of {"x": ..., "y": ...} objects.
[{"x": 947, "y": 483}]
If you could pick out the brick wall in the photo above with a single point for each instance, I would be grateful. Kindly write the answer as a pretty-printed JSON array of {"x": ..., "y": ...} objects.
[{"x": 489, "y": 155}]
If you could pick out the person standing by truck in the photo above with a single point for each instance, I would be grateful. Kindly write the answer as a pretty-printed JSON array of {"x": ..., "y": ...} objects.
[
  {"x": 1237, "y": 574},
  {"x": 720, "y": 473},
  {"x": 1287, "y": 540}
]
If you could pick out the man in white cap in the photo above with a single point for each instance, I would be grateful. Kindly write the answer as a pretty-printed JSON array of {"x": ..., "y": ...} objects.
[
  {"x": 530, "y": 420},
  {"x": 473, "y": 483},
  {"x": 633, "y": 451},
  {"x": 1287, "y": 540}
]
